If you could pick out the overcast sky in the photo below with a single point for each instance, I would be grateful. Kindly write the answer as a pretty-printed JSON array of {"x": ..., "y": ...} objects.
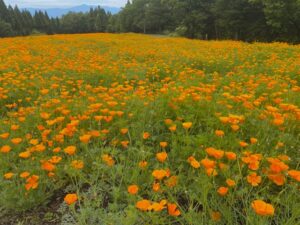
[{"x": 62, "y": 3}]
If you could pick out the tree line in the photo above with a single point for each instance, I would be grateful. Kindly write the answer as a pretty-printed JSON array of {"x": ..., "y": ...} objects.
[{"x": 247, "y": 20}]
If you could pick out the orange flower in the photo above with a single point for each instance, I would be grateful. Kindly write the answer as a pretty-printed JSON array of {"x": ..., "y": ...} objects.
[
  {"x": 56, "y": 150},
  {"x": 195, "y": 164},
  {"x": 172, "y": 128},
  {"x": 230, "y": 155},
  {"x": 108, "y": 160},
  {"x": 124, "y": 130},
  {"x": 253, "y": 140},
  {"x": 70, "y": 150},
  {"x": 143, "y": 205},
  {"x": 156, "y": 186},
  {"x": 262, "y": 208},
  {"x": 16, "y": 141},
  {"x": 158, "y": 206},
  {"x": 253, "y": 179},
  {"x": 187, "y": 125},
  {"x": 85, "y": 138},
  {"x": 172, "y": 210},
  {"x": 24, "y": 174},
  {"x": 243, "y": 144},
  {"x": 172, "y": 181},
  {"x": 278, "y": 121},
  {"x": 277, "y": 166},
  {"x": 168, "y": 121},
  {"x": 223, "y": 191},
  {"x": 70, "y": 198},
  {"x": 32, "y": 182},
  {"x": 230, "y": 182},
  {"x": 218, "y": 154},
  {"x": 211, "y": 172},
  {"x": 161, "y": 156},
  {"x": 77, "y": 164},
  {"x": 294, "y": 174},
  {"x": 48, "y": 166},
  {"x": 163, "y": 144},
  {"x": 235, "y": 127},
  {"x": 25, "y": 154},
  {"x": 133, "y": 189},
  {"x": 215, "y": 216},
  {"x": 124, "y": 144},
  {"x": 207, "y": 163},
  {"x": 4, "y": 135},
  {"x": 34, "y": 141},
  {"x": 278, "y": 179},
  {"x": 8, "y": 175},
  {"x": 219, "y": 133},
  {"x": 143, "y": 164},
  {"x": 14, "y": 127},
  {"x": 146, "y": 135},
  {"x": 95, "y": 133},
  {"x": 159, "y": 174},
  {"x": 5, "y": 149}
]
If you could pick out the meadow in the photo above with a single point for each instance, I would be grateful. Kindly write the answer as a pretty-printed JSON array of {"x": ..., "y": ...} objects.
[{"x": 125, "y": 129}]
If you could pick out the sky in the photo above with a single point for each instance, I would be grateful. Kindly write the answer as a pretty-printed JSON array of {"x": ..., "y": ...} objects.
[{"x": 64, "y": 3}]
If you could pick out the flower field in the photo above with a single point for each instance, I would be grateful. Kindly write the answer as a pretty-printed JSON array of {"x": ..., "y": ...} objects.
[{"x": 129, "y": 129}]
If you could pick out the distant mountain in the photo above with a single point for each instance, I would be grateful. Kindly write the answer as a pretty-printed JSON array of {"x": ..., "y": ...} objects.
[{"x": 59, "y": 12}]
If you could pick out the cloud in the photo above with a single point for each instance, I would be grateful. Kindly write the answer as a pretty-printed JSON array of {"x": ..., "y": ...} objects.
[{"x": 65, "y": 3}]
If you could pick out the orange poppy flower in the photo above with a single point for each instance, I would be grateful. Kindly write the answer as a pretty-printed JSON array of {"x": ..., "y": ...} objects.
[
  {"x": 262, "y": 208},
  {"x": 4, "y": 135},
  {"x": 5, "y": 149},
  {"x": 159, "y": 174},
  {"x": 215, "y": 216},
  {"x": 219, "y": 133},
  {"x": 25, "y": 154},
  {"x": 243, "y": 144},
  {"x": 70, "y": 198},
  {"x": 156, "y": 186},
  {"x": 48, "y": 166},
  {"x": 253, "y": 140},
  {"x": 8, "y": 175},
  {"x": 77, "y": 164},
  {"x": 158, "y": 206},
  {"x": 230, "y": 155},
  {"x": 172, "y": 128},
  {"x": 16, "y": 141},
  {"x": 133, "y": 189},
  {"x": 32, "y": 182},
  {"x": 278, "y": 179},
  {"x": 70, "y": 150},
  {"x": 161, "y": 156},
  {"x": 146, "y": 135},
  {"x": 223, "y": 191},
  {"x": 163, "y": 144},
  {"x": 143, "y": 205},
  {"x": 253, "y": 179},
  {"x": 187, "y": 125},
  {"x": 108, "y": 160},
  {"x": 230, "y": 182},
  {"x": 85, "y": 138},
  {"x": 143, "y": 164},
  {"x": 123, "y": 130},
  {"x": 295, "y": 174},
  {"x": 172, "y": 210}
]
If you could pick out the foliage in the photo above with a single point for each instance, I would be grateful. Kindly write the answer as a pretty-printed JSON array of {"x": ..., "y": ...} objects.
[
  {"x": 247, "y": 20},
  {"x": 136, "y": 129}
]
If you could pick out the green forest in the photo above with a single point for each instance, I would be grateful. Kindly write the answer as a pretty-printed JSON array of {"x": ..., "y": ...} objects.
[{"x": 246, "y": 20}]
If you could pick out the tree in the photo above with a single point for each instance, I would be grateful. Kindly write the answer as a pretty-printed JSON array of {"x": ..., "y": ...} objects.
[
  {"x": 284, "y": 18},
  {"x": 5, "y": 29}
]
